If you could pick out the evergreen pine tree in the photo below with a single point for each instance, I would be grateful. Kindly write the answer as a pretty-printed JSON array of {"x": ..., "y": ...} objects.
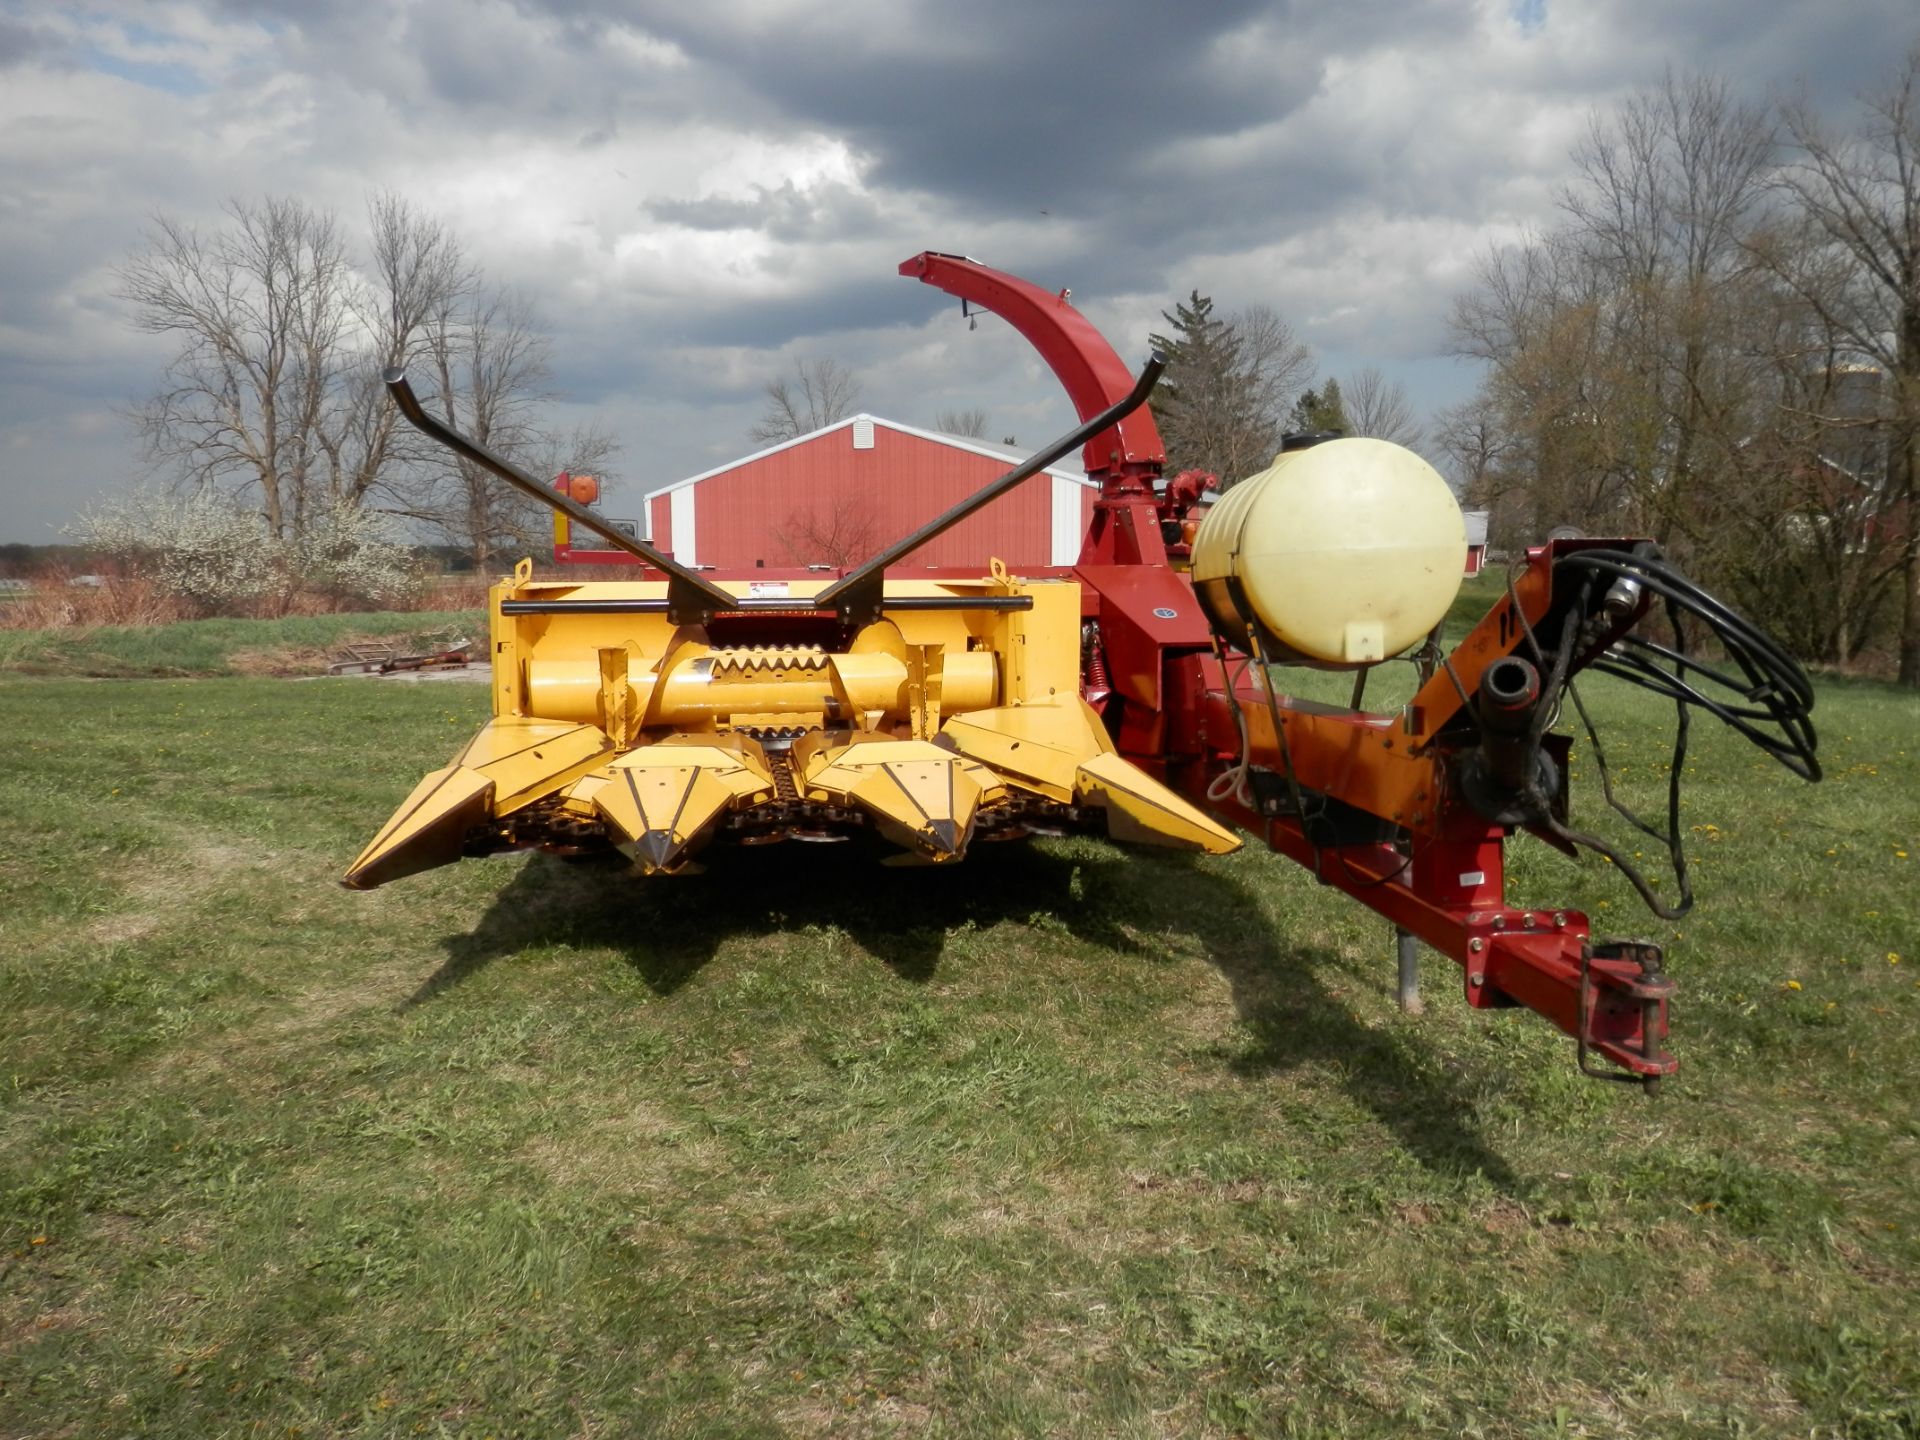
[
  {"x": 1321, "y": 409},
  {"x": 1194, "y": 401},
  {"x": 1221, "y": 401}
]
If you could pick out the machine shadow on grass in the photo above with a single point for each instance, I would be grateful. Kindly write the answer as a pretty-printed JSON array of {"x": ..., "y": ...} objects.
[{"x": 669, "y": 929}]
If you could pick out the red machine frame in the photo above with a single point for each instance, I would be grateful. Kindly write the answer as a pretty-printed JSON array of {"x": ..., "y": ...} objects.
[{"x": 1174, "y": 713}]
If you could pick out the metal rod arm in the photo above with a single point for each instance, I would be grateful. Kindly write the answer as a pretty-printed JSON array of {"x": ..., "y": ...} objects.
[
  {"x": 870, "y": 572},
  {"x": 710, "y": 596}
]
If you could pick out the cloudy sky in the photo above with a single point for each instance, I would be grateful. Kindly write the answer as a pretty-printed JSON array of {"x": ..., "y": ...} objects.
[{"x": 692, "y": 195}]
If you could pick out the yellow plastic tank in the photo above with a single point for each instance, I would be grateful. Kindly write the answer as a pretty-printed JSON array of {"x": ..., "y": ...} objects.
[{"x": 1345, "y": 553}]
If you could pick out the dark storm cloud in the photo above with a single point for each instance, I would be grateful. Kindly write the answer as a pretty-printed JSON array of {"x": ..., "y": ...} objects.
[
  {"x": 693, "y": 194},
  {"x": 1003, "y": 105},
  {"x": 1011, "y": 109},
  {"x": 636, "y": 348},
  {"x": 1829, "y": 49},
  {"x": 20, "y": 42},
  {"x": 786, "y": 213},
  {"x": 513, "y": 69}
]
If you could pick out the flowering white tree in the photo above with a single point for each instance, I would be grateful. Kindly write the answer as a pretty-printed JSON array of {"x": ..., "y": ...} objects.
[{"x": 218, "y": 559}]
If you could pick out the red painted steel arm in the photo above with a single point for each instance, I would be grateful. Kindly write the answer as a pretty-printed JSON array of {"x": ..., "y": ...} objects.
[
  {"x": 1443, "y": 877},
  {"x": 1094, "y": 376},
  {"x": 1450, "y": 891}
]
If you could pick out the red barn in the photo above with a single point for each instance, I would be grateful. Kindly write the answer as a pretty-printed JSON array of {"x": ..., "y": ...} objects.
[{"x": 838, "y": 495}]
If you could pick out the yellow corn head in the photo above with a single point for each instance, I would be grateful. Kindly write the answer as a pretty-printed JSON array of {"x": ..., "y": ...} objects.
[{"x": 954, "y": 716}]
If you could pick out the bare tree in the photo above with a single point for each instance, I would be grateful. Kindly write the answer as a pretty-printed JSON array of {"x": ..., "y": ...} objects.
[
  {"x": 1279, "y": 366},
  {"x": 1556, "y": 391},
  {"x": 275, "y": 393},
  {"x": 586, "y": 449},
  {"x": 972, "y": 424},
  {"x": 1669, "y": 185},
  {"x": 1472, "y": 441},
  {"x": 1803, "y": 541},
  {"x": 837, "y": 532},
  {"x": 263, "y": 312},
  {"x": 420, "y": 277},
  {"x": 1668, "y": 180},
  {"x": 1378, "y": 407},
  {"x": 1859, "y": 193},
  {"x": 821, "y": 392},
  {"x": 488, "y": 368},
  {"x": 1723, "y": 355},
  {"x": 1619, "y": 345}
]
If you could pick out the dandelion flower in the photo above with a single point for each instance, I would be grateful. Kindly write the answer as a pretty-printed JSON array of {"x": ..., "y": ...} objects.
[{"x": 1793, "y": 984}]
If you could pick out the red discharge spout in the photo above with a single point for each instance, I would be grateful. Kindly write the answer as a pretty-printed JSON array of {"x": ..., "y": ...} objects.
[{"x": 1094, "y": 376}]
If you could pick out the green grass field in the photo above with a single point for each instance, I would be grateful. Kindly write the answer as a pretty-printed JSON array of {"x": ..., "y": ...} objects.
[{"x": 1068, "y": 1140}]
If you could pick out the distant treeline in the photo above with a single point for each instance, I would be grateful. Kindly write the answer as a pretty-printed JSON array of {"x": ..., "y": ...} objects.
[
  {"x": 20, "y": 561},
  {"x": 17, "y": 562}
]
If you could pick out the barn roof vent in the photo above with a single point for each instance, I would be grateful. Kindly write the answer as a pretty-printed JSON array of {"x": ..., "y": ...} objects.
[{"x": 863, "y": 433}]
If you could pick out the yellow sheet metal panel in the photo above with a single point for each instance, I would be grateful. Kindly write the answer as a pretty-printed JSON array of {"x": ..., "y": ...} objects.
[
  {"x": 661, "y": 810},
  {"x": 527, "y": 759},
  {"x": 504, "y": 652},
  {"x": 508, "y": 765},
  {"x": 1040, "y": 747},
  {"x": 569, "y": 689},
  {"x": 736, "y": 761},
  {"x": 873, "y": 681},
  {"x": 1040, "y": 648},
  {"x": 695, "y": 692},
  {"x": 922, "y": 797},
  {"x": 704, "y": 687},
  {"x": 744, "y": 750},
  {"x": 664, "y": 798},
  {"x": 429, "y": 829},
  {"x": 551, "y": 665},
  {"x": 1346, "y": 552},
  {"x": 619, "y": 715},
  {"x": 949, "y": 629},
  {"x": 1142, "y": 811}
]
